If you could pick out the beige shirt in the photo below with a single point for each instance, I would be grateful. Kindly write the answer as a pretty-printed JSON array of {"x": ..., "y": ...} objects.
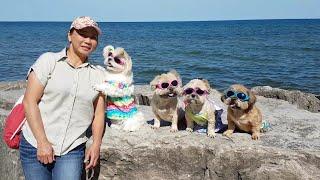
[{"x": 66, "y": 106}]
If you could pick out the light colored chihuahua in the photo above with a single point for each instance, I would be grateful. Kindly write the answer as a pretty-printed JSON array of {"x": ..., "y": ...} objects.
[
  {"x": 165, "y": 103},
  {"x": 118, "y": 86},
  {"x": 199, "y": 109}
]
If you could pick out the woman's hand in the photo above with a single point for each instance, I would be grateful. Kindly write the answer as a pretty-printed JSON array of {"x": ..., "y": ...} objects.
[
  {"x": 98, "y": 124},
  {"x": 92, "y": 156},
  {"x": 45, "y": 153}
]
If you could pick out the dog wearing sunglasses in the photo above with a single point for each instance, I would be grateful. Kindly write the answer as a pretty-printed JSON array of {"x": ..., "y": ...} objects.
[
  {"x": 198, "y": 108},
  {"x": 165, "y": 103},
  {"x": 242, "y": 112},
  {"x": 121, "y": 111}
]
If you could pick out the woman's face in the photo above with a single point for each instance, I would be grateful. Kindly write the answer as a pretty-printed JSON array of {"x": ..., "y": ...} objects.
[{"x": 83, "y": 41}]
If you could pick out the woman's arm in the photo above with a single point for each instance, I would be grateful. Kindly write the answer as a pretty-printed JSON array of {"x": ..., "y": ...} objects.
[
  {"x": 33, "y": 94},
  {"x": 98, "y": 124}
]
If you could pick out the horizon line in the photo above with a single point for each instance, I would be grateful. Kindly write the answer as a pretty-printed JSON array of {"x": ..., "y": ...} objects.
[{"x": 161, "y": 21}]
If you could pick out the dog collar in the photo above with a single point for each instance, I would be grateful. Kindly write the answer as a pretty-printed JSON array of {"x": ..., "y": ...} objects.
[{"x": 199, "y": 118}]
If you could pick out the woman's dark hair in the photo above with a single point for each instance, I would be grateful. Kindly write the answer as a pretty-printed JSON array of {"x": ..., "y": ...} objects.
[{"x": 71, "y": 30}]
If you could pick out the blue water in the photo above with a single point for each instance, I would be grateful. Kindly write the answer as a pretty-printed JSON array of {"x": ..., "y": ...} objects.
[{"x": 278, "y": 53}]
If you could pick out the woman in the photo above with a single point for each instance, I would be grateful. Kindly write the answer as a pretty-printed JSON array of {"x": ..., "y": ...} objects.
[{"x": 60, "y": 105}]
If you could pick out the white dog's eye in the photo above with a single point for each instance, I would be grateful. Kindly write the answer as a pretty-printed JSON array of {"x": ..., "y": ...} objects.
[
  {"x": 119, "y": 61},
  {"x": 110, "y": 54}
]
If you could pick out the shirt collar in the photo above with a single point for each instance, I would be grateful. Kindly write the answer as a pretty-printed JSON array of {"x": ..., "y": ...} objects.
[{"x": 62, "y": 55}]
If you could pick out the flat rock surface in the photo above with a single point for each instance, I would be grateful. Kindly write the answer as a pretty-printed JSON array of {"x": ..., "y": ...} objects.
[{"x": 290, "y": 150}]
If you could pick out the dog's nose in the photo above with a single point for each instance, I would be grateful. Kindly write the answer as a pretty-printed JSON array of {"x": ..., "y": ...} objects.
[{"x": 193, "y": 96}]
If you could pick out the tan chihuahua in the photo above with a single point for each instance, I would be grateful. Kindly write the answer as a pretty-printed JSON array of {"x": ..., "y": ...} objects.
[
  {"x": 242, "y": 112},
  {"x": 165, "y": 102}
]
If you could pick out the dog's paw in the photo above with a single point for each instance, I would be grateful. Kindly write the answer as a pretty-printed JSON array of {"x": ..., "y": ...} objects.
[
  {"x": 189, "y": 130},
  {"x": 211, "y": 134},
  {"x": 155, "y": 127},
  {"x": 174, "y": 129},
  {"x": 255, "y": 136},
  {"x": 228, "y": 133},
  {"x": 97, "y": 88}
]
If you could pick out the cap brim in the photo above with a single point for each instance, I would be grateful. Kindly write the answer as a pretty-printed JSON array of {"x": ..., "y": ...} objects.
[{"x": 97, "y": 29}]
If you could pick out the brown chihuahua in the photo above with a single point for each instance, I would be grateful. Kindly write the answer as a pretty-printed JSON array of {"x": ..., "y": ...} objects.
[{"x": 242, "y": 112}]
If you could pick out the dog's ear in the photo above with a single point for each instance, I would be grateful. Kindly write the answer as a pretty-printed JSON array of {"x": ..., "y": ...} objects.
[
  {"x": 177, "y": 75},
  {"x": 252, "y": 99},
  {"x": 122, "y": 52},
  {"x": 184, "y": 87},
  {"x": 206, "y": 82},
  {"x": 154, "y": 82},
  {"x": 106, "y": 50},
  {"x": 223, "y": 98},
  {"x": 129, "y": 64}
]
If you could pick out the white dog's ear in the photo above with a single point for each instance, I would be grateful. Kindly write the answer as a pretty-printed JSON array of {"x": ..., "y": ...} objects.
[
  {"x": 154, "y": 83},
  {"x": 106, "y": 50},
  {"x": 184, "y": 87},
  {"x": 206, "y": 82},
  {"x": 124, "y": 53},
  {"x": 174, "y": 72},
  {"x": 121, "y": 51}
]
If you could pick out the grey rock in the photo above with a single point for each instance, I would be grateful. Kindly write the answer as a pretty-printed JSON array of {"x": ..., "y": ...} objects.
[
  {"x": 10, "y": 167},
  {"x": 306, "y": 101},
  {"x": 290, "y": 150}
]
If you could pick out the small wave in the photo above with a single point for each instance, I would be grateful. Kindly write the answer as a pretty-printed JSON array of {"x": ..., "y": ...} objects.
[
  {"x": 310, "y": 49},
  {"x": 194, "y": 53},
  {"x": 208, "y": 69}
]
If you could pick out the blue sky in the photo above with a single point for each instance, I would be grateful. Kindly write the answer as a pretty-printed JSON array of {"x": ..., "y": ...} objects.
[{"x": 157, "y": 10}]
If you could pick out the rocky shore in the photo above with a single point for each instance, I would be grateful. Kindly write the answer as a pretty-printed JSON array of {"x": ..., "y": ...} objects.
[{"x": 290, "y": 150}]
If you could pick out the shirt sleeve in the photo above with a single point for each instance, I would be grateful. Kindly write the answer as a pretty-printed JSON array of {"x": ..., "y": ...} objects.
[
  {"x": 100, "y": 76},
  {"x": 42, "y": 68}
]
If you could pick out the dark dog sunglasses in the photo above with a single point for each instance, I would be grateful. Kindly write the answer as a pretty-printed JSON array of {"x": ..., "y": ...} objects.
[
  {"x": 116, "y": 59},
  {"x": 165, "y": 85},
  {"x": 196, "y": 90},
  {"x": 233, "y": 94}
]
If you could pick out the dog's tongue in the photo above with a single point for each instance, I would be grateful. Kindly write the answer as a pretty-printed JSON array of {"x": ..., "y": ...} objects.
[{"x": 234, "y": 106}]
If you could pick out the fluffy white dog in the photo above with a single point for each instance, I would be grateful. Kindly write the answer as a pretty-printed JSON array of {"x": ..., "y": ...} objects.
[{"x": 118, "y": 87}]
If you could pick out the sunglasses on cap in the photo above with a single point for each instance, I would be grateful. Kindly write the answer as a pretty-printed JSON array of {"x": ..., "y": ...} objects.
[
  {"x": 165, "y": 85},
  {"x": 198, "y": 91},
  {"x": 233, "y": 94}
]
